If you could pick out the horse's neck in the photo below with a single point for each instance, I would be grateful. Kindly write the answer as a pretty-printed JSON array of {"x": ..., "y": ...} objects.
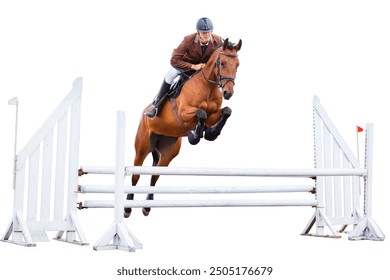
[
  {"x": 208, "y": 74},
  {"x": 200, "y": 86},
  {"x": 204, "y": 81}
]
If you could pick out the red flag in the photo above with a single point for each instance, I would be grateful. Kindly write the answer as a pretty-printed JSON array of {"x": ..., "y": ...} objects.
[{"x": 359, "y": 129}]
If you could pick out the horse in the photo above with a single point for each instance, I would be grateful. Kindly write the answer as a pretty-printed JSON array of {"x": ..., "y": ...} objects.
[{"x": 196, "y": 113}]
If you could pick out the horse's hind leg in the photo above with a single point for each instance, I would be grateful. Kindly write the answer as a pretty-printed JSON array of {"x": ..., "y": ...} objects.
[
  {"x": 153, "y": 181},
  {"x": 212, "y": 133},
  {"x": 195, "y": 135},
  {"x": 167, "y": 148},
  {"x": 143, "y": 145}
]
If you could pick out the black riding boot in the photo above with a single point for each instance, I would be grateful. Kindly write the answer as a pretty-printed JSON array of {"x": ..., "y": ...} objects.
[{"x": 158, "y": 101}]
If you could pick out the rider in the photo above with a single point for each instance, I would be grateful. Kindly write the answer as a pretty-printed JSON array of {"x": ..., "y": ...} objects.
[{"x": 192, "y": 54}]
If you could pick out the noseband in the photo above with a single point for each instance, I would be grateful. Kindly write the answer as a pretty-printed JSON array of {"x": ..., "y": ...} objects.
[{"x": 220, "y": 78}]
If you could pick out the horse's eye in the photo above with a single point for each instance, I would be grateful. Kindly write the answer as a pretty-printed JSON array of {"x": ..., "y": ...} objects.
[{"x": 222, "y": 64}]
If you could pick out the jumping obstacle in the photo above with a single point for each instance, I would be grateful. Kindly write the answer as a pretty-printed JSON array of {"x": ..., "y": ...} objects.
[
  {"x": 45, "y": 199},
  {"x": 336, "y": 197}
]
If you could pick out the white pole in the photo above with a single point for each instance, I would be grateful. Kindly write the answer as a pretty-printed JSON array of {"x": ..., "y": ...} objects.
[
  {"x": 201, "y": 203},
  {"x": 15, "y": 101},
  {"x": 122, "y": 238},
  {"x": 120, "y": 166},
  {"x": 208, "y": 171},
  {"x": 368, "y": 166},
  {"x": 197, "y": 189}
]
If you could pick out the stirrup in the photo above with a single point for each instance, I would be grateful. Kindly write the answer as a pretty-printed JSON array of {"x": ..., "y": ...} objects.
[{"x": 151, "y": 113}]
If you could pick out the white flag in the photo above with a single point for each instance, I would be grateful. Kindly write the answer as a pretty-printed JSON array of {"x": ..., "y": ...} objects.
[{"x": 13, "y": 101}]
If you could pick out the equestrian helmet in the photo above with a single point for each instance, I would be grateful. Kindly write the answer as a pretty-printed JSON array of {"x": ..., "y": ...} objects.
[{"x": 204, "y": 24}]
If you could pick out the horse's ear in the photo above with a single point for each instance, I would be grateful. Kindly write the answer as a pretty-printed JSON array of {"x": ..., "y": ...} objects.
[
  {"x": 238, "y": 46},
  {"x": 225, "y": 43}
]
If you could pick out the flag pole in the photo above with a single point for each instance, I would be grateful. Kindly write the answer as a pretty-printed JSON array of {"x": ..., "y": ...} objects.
[
  {"x": 358, "y": 129},
  {"x": 15, "y": 101}
]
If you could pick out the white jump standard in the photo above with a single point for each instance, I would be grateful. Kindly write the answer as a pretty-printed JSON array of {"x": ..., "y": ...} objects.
[
  {"x": 47, "y": 183},
  {"x": 51, "y": 190}
]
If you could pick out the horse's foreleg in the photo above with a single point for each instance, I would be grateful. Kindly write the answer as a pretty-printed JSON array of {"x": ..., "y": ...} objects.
[
  {"x": 195, "y": 135},
  {"x": 212, "y": 133}
]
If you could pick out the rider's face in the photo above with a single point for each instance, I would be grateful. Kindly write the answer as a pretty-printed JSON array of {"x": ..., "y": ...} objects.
[{"x": 204, "y": 37}]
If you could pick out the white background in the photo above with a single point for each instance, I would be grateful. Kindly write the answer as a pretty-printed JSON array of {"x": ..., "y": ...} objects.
[{"x": 292, "y": 50}]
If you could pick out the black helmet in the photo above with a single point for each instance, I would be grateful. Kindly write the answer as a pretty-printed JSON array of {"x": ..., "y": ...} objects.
[{"x": 204, "y": 25}]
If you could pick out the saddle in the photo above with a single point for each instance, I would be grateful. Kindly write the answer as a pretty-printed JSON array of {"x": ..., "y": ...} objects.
[{"x": 176, "y": 87}]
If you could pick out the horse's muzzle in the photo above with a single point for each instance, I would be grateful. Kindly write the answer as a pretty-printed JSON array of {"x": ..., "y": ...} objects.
[{"x": 227, "y": 94}]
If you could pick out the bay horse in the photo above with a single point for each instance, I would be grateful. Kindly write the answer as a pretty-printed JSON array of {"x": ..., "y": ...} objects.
[{"x": 195, "y": 113}]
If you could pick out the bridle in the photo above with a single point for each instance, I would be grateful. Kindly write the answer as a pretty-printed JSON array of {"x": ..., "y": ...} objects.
[{"x": 219, "y": 77}]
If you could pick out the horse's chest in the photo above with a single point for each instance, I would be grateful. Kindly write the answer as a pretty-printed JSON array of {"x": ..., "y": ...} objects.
[{"x": 209, "y": 106}]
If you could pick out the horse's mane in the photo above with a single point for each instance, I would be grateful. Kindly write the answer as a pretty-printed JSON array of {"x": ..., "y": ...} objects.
[{"x": 230, "y": 45}]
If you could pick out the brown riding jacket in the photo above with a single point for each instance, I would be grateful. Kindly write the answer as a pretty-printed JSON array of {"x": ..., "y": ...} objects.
[{"x": 189, "y": 51}]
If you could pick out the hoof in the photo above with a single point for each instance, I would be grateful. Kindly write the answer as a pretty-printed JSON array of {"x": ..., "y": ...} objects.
[
  {"x": 146, "y": 211},
  {"x": 193, "y": 138},
  {"x": 127, "y": 213},
  {"x": 211, "y": 135},
  {"x": 227, "y": 112}
]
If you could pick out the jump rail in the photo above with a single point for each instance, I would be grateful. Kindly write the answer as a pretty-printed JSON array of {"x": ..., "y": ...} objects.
[
  {"x": 249, "y": 172},
  {"x": 198, "y": 189},
  {"x": 336, "y": 175}
]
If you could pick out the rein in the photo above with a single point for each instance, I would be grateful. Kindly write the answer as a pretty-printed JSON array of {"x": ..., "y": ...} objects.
[{"x": 220, "y": 78}]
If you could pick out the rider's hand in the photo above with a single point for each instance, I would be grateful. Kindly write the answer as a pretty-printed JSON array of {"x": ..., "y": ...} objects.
[{"x": 197, "y": 66}]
